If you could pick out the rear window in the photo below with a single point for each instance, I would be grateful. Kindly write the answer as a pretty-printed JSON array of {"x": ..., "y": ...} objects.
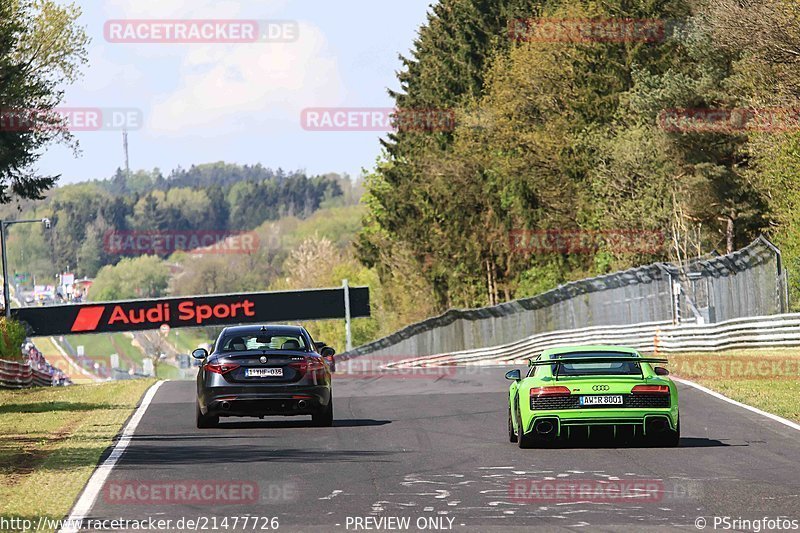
[
  {"x": 264, "y": 341},
  {"x": 621, "y": 368}
]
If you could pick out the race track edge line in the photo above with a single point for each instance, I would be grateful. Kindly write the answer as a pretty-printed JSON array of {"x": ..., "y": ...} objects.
[
  {"x": 86, "y": 501},
  {"x": 722, "y": 397}
]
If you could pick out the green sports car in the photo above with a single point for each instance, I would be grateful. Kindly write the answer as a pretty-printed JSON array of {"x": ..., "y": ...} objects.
[{"x": 591, "y": 390}]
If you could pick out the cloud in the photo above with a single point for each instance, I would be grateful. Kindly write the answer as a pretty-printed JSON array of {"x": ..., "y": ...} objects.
[
  {"x": 104, "y": 73},
  {"x": 226, "y": 88},
  {"x": 153, "y": 9}
]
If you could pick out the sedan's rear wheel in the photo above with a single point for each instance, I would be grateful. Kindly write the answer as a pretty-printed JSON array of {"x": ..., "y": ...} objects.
[
  {"x": 324, "y": 417},
  {"x": 205, "y": 421}
]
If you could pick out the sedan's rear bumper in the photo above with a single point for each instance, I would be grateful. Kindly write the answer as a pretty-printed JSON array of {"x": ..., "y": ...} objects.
[{"x": 289, "y": 401}]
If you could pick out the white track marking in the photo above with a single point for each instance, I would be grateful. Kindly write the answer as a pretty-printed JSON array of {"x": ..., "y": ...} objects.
[
  {"x": 756, "y": 410},
  {"x": 98, "y": 479}
]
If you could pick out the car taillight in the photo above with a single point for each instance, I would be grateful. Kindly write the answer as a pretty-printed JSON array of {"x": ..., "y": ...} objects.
[
  {"x": 300, "y": 366},
  {"x": 650, "y": 389},
  {"x": 220, "y": 368},
  {"x": 311, "y": 365},
  {"x": 550, "y": 391}
]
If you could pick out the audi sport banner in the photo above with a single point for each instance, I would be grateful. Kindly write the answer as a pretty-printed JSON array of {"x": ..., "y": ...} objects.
[{"x": 227, "y": 309}]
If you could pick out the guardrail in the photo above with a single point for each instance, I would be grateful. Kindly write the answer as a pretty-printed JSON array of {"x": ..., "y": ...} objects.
[
  {"x": 32, "y": 371},
  {"x": 17, "y": 375},
  {"x": 14, "y": 375},
  {"x": 747, "y": 282},
  {"x": 751, "y": 332}
]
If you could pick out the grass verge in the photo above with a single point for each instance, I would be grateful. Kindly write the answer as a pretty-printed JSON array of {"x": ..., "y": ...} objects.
[
  {"x": 765, "y": 378},
  {"x": 51, "y": 440},
  {"x": 187, "y": 339}
]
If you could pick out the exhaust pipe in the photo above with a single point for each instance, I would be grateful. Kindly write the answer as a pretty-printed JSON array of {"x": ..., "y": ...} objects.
[
  {"x": 657, "y": 425},
  {"x": 301, "y": 404},
  {"x": 545, "y": 428},
  {"x": 225, "y": 406}
]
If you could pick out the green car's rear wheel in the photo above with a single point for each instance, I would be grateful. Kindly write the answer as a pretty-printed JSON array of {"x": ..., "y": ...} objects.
[
  {"x": 530, "y": 440},
  {"x": 512, "y": 435},
  {"x": 672, "y": 438},
  {"x": 665, "y": 439}
]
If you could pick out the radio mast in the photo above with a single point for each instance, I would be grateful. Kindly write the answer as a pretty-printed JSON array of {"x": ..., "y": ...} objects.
[{"x": 125, "y": 147}]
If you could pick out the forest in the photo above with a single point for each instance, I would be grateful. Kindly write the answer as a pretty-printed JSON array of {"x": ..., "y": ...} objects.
[{"x": 691, "y": 132}]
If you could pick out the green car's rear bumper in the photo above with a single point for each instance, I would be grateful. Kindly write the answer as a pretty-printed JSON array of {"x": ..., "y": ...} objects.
[{"x": 564, "y": 419}]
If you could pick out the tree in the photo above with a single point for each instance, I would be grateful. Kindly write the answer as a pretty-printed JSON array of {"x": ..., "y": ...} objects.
[
  {"x": 141, "y": 277},
  {"x": 535, "y": 124},
  {"x": 41, "y": 47},
  {"x": 764, "y": 37},
  {"x": 94, "y": 253}
]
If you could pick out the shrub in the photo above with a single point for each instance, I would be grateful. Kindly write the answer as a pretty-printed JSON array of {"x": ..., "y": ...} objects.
[{"x": 12, "y": 335}]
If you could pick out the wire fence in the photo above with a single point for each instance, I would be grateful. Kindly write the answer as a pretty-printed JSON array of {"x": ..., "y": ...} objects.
[
  {"x": 773, "y": 331},
  {"x": 748, "y": 282}
]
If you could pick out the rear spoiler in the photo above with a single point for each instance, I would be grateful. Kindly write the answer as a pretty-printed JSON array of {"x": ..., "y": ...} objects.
[
  {"x": 624, "y": 359},
  {"x": 558, "y": 361}
]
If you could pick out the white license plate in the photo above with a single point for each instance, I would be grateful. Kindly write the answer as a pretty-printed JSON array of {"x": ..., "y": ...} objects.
[
  {"x": 263, "y": 372},
  {"x": 601, "y": 400}
]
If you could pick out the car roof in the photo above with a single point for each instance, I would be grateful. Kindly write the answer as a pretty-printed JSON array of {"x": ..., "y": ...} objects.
[
  {"x": 549, "y": 352},
  {"x": 256, "y": 329}
]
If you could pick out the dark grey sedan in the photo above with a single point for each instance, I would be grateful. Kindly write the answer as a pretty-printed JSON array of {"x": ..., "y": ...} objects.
[{"x": 264, "y": 371}]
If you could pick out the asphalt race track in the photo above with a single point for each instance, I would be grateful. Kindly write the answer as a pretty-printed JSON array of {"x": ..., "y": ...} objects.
[{"x": 433, "y": 448}]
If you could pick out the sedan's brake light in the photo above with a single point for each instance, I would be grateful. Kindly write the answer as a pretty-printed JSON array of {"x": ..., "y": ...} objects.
[
  {"x": 650, "y": 389},
  {"x": 311, "y": 365},
  {"x": 220, "y": 368},
  {"x": 300, "y": 366},
  {"x": 550, "y": 391}
]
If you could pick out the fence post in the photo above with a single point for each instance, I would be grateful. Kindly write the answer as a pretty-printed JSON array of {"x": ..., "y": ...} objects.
[
  {"x": 676, "y": 299},
  {"x": 348, "y": 333}
]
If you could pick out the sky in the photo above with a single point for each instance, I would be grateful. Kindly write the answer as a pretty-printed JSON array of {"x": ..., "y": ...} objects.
[{"x": 196, "y": 103}]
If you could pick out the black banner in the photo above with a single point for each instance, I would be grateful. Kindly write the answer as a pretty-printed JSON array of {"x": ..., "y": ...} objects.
[{"x": 196, "y": 311}]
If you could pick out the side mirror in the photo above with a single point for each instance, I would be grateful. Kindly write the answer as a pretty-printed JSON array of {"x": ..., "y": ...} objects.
[
  {"x": 200, "y": 353},
  {"x": 513, "y": 375},
  {"x": 327, "y": 351},
  {"x": 660, "y": 371}
]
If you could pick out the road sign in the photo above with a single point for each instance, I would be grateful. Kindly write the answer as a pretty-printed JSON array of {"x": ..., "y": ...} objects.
[
  {"x": 164, "y": 329},
  {"x": 114, "y": 360},
  {"x": 79, "y": 350}
]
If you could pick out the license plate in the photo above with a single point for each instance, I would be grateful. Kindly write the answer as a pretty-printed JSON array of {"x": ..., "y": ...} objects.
[
  {"x": 601, "y": 400},
  {"x": 263, "y": 372}
]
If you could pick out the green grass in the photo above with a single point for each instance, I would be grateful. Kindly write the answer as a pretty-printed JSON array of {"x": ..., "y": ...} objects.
[
  {"x": 167, "y": 371},
  {"x": 187, "y": 339},
  {"x": 54, "y": 357},
  {"x": 132, "y": 352},
  {"x": 45, "y": 345},
  {"x": 52, "y": 439},
  {"x": 765, "y": 378},
  {"x": 98, "y": 347}
]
